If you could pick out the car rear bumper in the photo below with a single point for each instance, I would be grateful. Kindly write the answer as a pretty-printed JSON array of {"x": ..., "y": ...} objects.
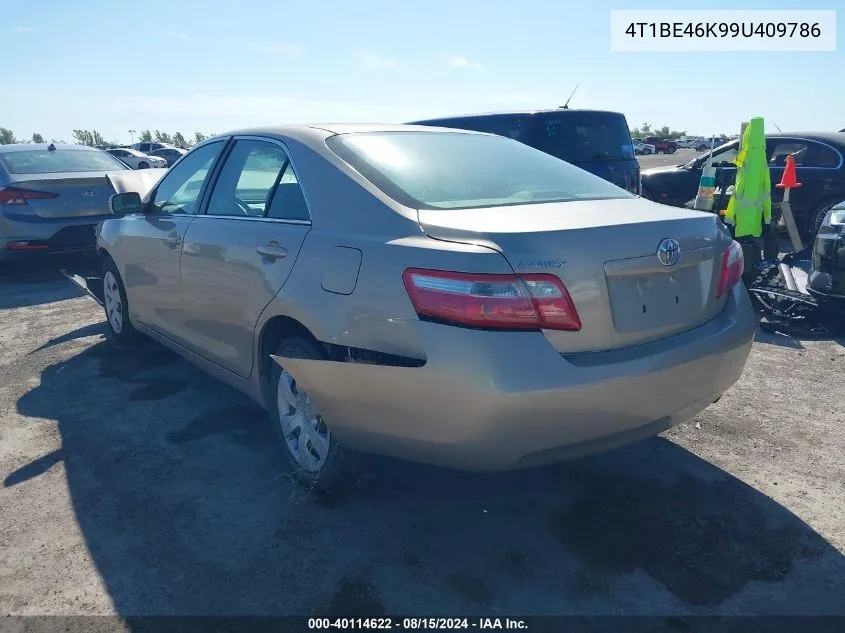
[
  {"x": 491, "y": 401},
  {"x": 26, "y": 235}
]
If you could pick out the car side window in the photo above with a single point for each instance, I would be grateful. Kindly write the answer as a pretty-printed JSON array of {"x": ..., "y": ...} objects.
[
  {"x": 287, "y": 201},
  {"x": 180, "y": 190},
  {"x": 819, "y": 155},
  {"x": 781, "y": 149},
  {"x": 247, "y": 179},
  {"x": 726, "y": 157}
]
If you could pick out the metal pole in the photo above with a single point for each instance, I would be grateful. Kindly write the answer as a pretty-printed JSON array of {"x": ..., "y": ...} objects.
[{"x": 789, "y": 220}]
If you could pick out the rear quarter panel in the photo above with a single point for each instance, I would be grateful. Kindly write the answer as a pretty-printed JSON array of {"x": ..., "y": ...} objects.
[{"x": 377, "y": 314}]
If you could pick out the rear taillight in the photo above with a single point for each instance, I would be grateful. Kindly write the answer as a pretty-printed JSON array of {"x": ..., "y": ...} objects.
[
  {"x": 733, "y": 264},
  {"x": 516, "y": 302},
  {"x": 14, "y": 195}
]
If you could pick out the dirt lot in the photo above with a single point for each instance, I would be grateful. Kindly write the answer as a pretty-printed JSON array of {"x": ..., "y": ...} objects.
[{"x": 134, "y": 484}]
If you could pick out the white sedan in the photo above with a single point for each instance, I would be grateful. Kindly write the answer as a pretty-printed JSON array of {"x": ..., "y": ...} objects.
[
  {"x": 136, "y": 159},
  {"x": 643, "y": 148}
]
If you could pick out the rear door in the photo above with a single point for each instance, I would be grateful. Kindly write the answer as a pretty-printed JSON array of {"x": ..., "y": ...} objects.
[
  {"x": 817, "y": 168},
  {"x": 239, "y": 253},
  {"x": 598, "y": 142}
]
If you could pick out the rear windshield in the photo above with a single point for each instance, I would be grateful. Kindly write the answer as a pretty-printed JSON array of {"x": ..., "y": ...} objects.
[
  {"x": 442, "y": 170},
  {"x": 582, "y": 137},
  {"x": 42, "y": 161}
]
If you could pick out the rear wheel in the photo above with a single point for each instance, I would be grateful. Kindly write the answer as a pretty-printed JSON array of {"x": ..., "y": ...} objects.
[
  {"x": 115, "y": 304},
  {"x": 306, "y": 440}
]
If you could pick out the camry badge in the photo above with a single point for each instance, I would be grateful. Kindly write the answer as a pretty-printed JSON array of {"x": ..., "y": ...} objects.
[{"x": 541, "y": 263}]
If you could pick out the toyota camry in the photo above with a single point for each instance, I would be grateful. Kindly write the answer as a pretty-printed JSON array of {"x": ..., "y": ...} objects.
[{"x": 445, "y": 296}]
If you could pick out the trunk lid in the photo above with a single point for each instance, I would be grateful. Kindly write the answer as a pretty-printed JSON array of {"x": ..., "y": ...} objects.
[
  {"x": 78, "y": 195},
  {"x": 605, "y": 252}
]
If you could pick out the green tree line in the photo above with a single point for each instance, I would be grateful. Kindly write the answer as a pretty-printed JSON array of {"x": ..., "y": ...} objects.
[
  {"x": 646, "y": 129},
  {"x": 93, "y": 138}
]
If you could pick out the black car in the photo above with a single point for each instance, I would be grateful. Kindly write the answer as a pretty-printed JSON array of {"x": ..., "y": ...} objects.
[
  {"x": 826, "y": 281},
  {"x": 819, "y": 165}
]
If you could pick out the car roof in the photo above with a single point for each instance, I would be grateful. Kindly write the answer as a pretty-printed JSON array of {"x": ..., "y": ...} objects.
[
  {"x": 825, "y": 137},
  {"x": 517, "y": 113},
  {"x": 20, "y": 147},
  {"x": 309, "y": 133}
]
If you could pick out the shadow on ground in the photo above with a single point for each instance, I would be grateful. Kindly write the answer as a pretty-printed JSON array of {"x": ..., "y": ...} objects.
[
  {"x": 180, "y": 494},
  {"x": 35, "y": 281}
]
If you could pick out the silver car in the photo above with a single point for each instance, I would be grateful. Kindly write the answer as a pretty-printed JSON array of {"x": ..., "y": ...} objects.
[
  {"x": 450, "y": 297},
  {"x": 52, "y": 196}
]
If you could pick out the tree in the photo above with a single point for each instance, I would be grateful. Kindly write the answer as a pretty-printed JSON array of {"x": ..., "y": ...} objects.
[
  {"x": 37, "y": 138},
  {"x": 664, "y": 132},
  {"x": 199, "y": 137},
  {"x": 91, "y": 138},
  {"x": 145, "y": 137},
  {"x": 162, "y": 137},
  {"x": 179, "y": 140},
  {"x": 7, "y": 137}
]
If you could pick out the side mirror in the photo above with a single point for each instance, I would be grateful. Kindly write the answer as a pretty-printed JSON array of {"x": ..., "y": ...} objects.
[{"x": 123, "y": 203}]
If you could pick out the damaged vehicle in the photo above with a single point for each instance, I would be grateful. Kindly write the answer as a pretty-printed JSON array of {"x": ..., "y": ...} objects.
[
  {"x": 826, "y": 281},
  {"x": 52, "y": 196},
  {"x": 444, "y": 296}
]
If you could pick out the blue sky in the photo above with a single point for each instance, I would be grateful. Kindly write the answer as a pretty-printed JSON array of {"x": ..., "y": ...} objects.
[{"x": 189, "y": 65}]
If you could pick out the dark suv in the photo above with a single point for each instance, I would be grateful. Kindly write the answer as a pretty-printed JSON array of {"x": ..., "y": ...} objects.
[{"x": 594, "y": 140}]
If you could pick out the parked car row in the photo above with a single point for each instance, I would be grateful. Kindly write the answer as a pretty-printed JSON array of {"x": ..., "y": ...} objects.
[
  {"x": 819, "y": 163},
  {"x": 155, "y": 157}
]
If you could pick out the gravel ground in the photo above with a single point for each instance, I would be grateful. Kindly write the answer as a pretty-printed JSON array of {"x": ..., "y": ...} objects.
[{"x": 134, "y": 484}]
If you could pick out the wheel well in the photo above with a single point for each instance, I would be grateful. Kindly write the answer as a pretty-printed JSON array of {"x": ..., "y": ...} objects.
[{"x": 275, "y": 331}]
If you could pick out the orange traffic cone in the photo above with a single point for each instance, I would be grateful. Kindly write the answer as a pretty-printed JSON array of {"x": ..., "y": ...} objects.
[{"x": 789, "y": 179}]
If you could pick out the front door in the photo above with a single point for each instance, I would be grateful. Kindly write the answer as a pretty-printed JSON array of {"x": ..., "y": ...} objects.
[
  {"x": 239, "y": 253},
  {"x": 152, "y": 241}
]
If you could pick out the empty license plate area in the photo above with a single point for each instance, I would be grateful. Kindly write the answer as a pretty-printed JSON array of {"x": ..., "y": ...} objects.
[{"x": 646, "y": 295}]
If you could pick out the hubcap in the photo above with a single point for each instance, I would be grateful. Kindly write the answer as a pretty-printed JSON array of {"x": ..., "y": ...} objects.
[
  {"x": 113, "y": 304},
  {"x": 306, "y": 435}
]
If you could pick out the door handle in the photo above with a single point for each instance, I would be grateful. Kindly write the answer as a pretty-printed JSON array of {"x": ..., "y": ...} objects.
[
  {"x": 273, "y": 252},
  {"x": 173, "y": 240}
]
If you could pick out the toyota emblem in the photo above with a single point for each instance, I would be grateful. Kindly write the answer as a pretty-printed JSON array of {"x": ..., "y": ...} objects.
[{"x": 669, "y": 252}]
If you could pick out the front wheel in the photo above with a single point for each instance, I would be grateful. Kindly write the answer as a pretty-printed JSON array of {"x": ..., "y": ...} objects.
[
  {"x": 143, "y": 165},
  {"x": 115, "y": 304},
  {"x": 306, "y": 440},
  {"x": 817, "y": 217}
]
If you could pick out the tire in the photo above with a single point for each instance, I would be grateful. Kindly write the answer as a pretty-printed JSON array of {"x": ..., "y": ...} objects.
[
  {"x": 701, "y": 148},
  {"x": 115, "y": 304},
  {"x": 671, "y": 150},
  {"x": 143, "y": 165},
  {"x": 319, "y": 467},
  {"x": 816, "y": 218}
]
